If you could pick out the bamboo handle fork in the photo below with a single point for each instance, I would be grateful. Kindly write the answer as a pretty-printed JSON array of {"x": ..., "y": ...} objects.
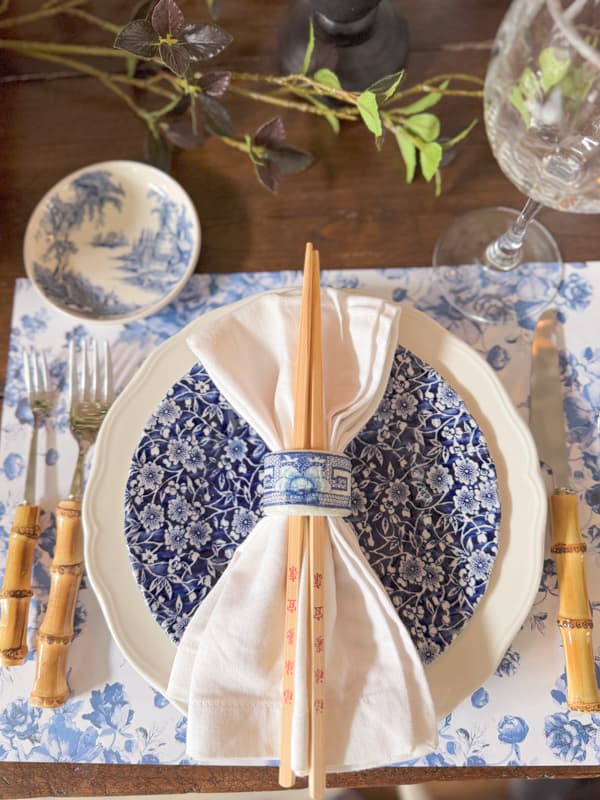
[
  {"x": 16, "y": 589},
  {"x": 89, "y": 400},
  {"x": 308, "y": 433}
]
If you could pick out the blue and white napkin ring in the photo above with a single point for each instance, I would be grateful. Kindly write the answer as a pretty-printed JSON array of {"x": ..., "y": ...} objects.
[{"x": 307, "y": 483}]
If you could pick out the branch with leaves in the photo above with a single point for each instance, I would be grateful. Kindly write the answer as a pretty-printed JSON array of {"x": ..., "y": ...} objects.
[{"x": 183, "y": 104}]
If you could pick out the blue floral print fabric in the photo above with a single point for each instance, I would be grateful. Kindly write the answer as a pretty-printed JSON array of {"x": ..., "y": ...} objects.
[{"x": 518, "y": 717}]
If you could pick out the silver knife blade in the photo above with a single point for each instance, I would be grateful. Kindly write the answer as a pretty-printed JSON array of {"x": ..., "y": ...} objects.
[{"x": 547, "y": 416}]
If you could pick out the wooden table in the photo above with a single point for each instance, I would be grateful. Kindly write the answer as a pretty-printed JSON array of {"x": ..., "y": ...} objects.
[{"x": 353, "y": 204}]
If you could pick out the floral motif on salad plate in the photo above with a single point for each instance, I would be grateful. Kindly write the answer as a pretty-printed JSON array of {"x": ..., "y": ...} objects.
[{"x": 112, "y": 242}]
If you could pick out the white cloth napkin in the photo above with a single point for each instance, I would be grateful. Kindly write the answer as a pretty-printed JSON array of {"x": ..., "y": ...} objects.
[{"x": 229, "y": 664}]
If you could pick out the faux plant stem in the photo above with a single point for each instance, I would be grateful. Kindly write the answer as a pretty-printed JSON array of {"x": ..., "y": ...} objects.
[
  {"x": 11, "y": 22},
  {"x": 103, "y": 77},
  {"x": 305, "y": 108},
  {"x": 173, "y": 50}
]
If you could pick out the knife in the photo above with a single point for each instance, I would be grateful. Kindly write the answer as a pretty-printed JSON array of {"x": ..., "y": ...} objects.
[{"x": 547, "y": 423}]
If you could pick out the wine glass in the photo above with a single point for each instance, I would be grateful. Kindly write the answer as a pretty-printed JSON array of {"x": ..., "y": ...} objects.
[{"x": 542, "y": 117}]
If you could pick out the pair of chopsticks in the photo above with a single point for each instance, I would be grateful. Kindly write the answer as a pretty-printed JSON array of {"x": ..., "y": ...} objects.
[{"x": 308, "y": 433}]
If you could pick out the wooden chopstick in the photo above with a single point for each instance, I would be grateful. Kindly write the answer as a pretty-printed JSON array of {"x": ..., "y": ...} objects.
[
  {"x": 296, "y": 525},
  {"x": 317, "y": 533}
]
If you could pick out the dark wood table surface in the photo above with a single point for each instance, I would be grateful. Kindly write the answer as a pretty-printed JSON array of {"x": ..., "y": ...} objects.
[{"x": 353, "y": 204}]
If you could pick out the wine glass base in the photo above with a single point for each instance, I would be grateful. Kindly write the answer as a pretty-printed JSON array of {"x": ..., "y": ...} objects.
[{"x": 488, "y": 295}]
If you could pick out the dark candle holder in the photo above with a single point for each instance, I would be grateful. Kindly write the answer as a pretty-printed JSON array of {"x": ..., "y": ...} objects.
[{"x": 362, "y": 40}]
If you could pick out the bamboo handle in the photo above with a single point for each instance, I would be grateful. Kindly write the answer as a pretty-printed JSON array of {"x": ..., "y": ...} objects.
[
  {"x": 296, "y": 526},
  {"x": 16, "y": 587},
  {"x": 318, "y": 529},
  {"x": 574, "y": 618},
  {"x": 50, "y": 688}
]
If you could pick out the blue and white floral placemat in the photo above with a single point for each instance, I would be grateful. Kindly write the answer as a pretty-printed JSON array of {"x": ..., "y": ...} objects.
[{"x": 519, "y": 717}]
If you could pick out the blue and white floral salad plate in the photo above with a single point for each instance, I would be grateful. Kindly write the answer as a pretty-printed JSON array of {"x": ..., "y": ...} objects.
[
  {"x": 446, "y": 482},
  {"x": 112, "y": 242}
]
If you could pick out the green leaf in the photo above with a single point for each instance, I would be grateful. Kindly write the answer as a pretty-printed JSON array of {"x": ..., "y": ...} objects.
[
  {"x": 385, "y": 88},
  {"x": 516, "y": 98},
  {"x": 331, "y": 118},
  {"x": 426, "y": 126},
  {"x": 367, "y": 106},
  {"x": 430, "y": 155},
  {"x": 309, "y": 47},
  {"x": 130, "y": 67},
  {"x": 408, "y": 152},
  {"x": 529, "y": 83},
  {"x": 578, "y": 82},
  {"x": 553, "y": 68},
  {"x": 460, "y": 136},
  {"x": 427, "y": 101},
  {"x": 328, "y": 78}
]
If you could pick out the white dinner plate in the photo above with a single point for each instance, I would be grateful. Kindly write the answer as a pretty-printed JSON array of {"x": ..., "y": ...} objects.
[{"x": 481, "y": 644}]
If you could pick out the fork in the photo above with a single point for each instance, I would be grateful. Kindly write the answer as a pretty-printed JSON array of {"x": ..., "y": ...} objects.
[
  {"x": 16, "y": 587},
  {"x": 90, "y": 396}
]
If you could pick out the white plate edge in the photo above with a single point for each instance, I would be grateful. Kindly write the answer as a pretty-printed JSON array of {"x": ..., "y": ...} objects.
[
  {"x": 145, "y": 311},
  {"x": 448, "y": 670}
]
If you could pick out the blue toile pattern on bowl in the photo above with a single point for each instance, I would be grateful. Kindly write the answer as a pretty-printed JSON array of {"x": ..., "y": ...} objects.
[
  {"x": 112, "y": 243},
  {"x": 424, "y": 500}
]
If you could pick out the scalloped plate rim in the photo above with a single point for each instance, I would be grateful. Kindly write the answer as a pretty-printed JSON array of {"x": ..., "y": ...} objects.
[{"x": 147, "y": 646}]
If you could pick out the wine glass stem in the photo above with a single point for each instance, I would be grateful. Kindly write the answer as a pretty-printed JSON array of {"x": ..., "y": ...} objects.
[{"x": 504, "y": 254}]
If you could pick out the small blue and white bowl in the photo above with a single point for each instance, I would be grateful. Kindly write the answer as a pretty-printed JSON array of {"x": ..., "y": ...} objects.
[{"x": 112, "y": 242}]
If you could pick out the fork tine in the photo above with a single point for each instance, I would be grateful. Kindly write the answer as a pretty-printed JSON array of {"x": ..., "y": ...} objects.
[
  {"x": 26, "y": 371},
  {"x": 109, "y": 392},
  {"x": 95, "y": 366},
  {"x": 83, "y": 380},
  {"x": 34, "y": 370},
  {"x": 72, "y": 375},
  {"x": 44, "y": 372}
]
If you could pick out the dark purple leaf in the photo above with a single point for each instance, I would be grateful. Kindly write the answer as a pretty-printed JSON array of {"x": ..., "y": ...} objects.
[
  {"x": 290, "y": 160},
  {"x": 271, "y": 134},
  {"x": 218, "y": 120},
  {"x": 180, "y": 132},
  {"x": 175, "y": 57},
  {"x": 268, "y": 175},
  {"x": 180, "y": 109},
  {"x": 157, "y": 152},
  {"x": 215, "y": 84},
  {"x": 204, "y": 41},
  {"x": 167, "y": 18},
  {"x": 137, "y": 37}
]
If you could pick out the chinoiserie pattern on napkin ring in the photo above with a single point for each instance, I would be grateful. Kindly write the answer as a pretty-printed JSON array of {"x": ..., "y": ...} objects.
[{"x": 307, "y": 483}]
